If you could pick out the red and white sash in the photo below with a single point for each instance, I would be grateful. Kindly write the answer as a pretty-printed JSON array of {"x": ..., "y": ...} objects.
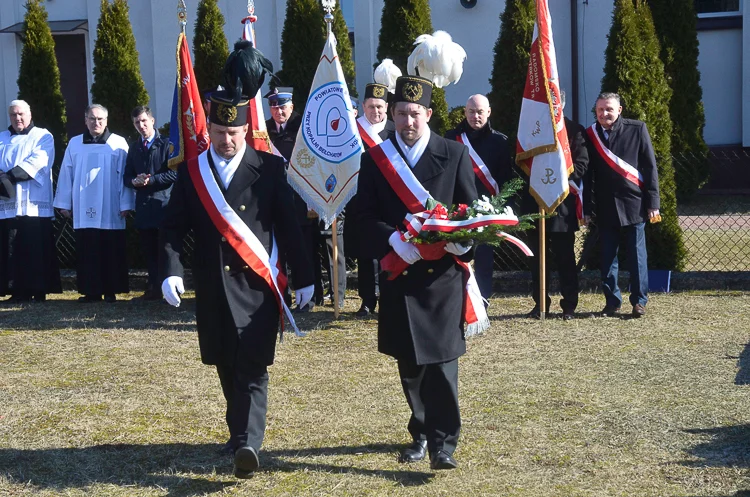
[
  {"x": 577, "y": 190},
  {"x": 367, "y": 133},
  {"x": 480, "y": 169},
  {"x": 410, "y": 191},
  {"x": 617, "y": 164},
  {"x": 239, "y": 235}
]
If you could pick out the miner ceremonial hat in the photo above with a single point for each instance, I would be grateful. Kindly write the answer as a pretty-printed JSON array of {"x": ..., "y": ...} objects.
[
  {"x": 279, "y": 96},
  {"x": 376, "y": 90},
  {"x": 224, "y": 113},
  {"x": 413, "y": 90}
]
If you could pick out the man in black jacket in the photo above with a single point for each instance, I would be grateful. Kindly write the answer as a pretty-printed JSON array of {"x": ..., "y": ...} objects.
[
  {"x": 239, "y": 204},
  {"x": 492, "y": 168},
  {"x": 625, "y": 183},
  {"x": 147, "y": 171},
  {"x": 561, "y": 229},
  {"x": 421, "y": 321}
]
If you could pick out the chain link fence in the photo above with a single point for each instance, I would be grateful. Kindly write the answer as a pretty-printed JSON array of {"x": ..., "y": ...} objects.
[{"x": 714, "y": 217}]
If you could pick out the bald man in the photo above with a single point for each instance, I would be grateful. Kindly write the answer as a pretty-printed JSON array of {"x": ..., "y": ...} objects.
[{"x": 492, "y": 163}]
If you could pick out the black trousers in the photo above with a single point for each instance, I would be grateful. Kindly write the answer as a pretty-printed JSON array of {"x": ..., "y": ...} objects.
[
  {"x": 367, "y": 281},
  {"x": 28, "y": 259},
  {"x": 246, "y": 393},
  {"x": 432, "y": 393},
  {"x": 150, "y": 250},
  {"x": 101, "y": 261},
  {"x": 561, "y": 246}
]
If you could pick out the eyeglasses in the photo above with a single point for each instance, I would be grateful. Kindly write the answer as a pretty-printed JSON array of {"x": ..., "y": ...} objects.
[{"x": 96, "y": 119}]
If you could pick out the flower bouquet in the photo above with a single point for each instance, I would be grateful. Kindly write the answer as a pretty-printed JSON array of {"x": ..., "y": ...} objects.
[{"x": 487, "y": 220}]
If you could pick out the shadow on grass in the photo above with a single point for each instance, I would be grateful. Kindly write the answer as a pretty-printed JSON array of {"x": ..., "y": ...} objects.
[
  {"x": 743, "y": 362},
  {"x": 182, "y": 470},
  {"x": 728, "y": 446}
]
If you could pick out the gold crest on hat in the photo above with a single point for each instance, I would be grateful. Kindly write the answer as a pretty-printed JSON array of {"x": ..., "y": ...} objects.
[
  {"x": 378, "y": 92},
  {"x": 412, "y": 92},
  {"x": 227, "y": 113}
]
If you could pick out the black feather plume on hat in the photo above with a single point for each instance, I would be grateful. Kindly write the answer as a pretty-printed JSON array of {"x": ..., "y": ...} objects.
[{"x": 245, "y": 71}]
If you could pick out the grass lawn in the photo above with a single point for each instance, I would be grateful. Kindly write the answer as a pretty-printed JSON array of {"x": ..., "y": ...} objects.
[{"x": 112, "y": 400}]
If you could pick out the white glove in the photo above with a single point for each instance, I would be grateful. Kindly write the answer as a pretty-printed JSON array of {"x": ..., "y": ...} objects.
[
  {"x": 407, "y": 251},
  {"x": 172, "y": 288},
  {"x": 457, "y": 248},
  {"x": 304, "y": 295}
]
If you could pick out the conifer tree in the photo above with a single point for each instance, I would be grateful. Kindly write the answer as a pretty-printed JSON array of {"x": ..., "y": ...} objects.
[
  {"x": 510, "y": 66},
  {"x": 117, "y": 77},
  {"x": 301, "y": 45},
  {"x": 210, "y": 45},
  {"x": 401, "y": 23},
  {"x": 634, "y": 70},
  {"x": 344, "y": 48},
  {"x": 39, "y": 76},
  {"x": 675, "y": 22}
]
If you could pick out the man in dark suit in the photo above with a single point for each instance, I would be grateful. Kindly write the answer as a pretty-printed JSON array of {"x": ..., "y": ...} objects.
[
  {"x": 421, "y": 321},
  {"x": 374, "y": 127},
  {"x": 561, "y": 229},
  {"x": 625, "y": 183},
  {"x": 493, "y": 152},
  {"x": 148, "y": 173},
  {"x": 239, "y": 204}
]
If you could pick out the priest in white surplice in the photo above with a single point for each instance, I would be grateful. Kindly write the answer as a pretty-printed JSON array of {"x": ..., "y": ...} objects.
[
  {"x": 28, "y": 261},
  {"x": 90, "y": 189}
]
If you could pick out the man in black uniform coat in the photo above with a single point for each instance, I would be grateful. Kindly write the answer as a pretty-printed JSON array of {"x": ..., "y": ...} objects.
[
  {"x": 492, "y": 148},
  {"x": 374, "y": 123},
  {"x": 237, "y": 312},
  {"x": 147, "y": 172},
  {"x": 561, "y": 230},
  {"x": 622, "y": 207},
  {"x": 420, "y": 322}
]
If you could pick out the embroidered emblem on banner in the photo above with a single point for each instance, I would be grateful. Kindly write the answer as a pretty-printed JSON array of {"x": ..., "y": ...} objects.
[
  {"x": 331, "y": 183},
  {"x": 227, "y": 113},
  {"x": 304, "y": 159},
  {"x": 325, "y": 126},
  {"x": 412, "y": 92},
  {"x": 378, "y": 92}
]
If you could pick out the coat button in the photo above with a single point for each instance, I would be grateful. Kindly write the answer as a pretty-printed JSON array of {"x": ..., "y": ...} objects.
[
  {"x": 430, "y": 271},
  {"x": 223, "y": 239},
  {"x": 242, "y": 207},
  {"x": 227, "y": 268},
  {"x": 405, "y": 273},
  {"x": 246, "y": 267}
]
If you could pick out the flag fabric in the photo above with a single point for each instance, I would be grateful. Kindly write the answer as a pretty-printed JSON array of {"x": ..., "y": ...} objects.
[
  {"x": 542, "y": 148},
  {"x": 324, "y": 165},
  {"x": 257, "y": 134},
  {"x": 188, "y": 135}
]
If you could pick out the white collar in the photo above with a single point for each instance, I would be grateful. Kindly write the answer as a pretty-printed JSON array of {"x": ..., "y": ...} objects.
[
  {"x": 414, "y": 153},
  {"x": 226, "y": 168},
  {"x": 377, "y": 128}
]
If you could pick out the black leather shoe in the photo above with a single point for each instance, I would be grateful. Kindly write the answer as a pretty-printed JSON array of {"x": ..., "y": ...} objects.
[
  {"x": 363, "y": 312},
  {"x": 415, "y": 452},
  {"x": 110, "y": 297},
  {"x": 568, "y": 315},
  {"x": 610, "y": 310},
  {"x": 443, "y": 460},
  {"x": 87, "y": 299},
  {"x": 245, "y": 462},
  {"x": 534, "y": 313},
  {"x": 308, "y": 307}
]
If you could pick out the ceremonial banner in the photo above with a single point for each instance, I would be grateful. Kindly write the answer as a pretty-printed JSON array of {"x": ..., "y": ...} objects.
[
  {"x": 257, "y": 135},
  {"x": 188, "y": 135},
  {"x": 542, "y": 148},
  {"x": 324, "y": 166}
]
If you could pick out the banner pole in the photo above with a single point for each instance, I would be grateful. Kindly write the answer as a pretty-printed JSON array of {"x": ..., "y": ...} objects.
[
  {"x": 335, "y": 265},
  {"x": 542, "y": 267}
]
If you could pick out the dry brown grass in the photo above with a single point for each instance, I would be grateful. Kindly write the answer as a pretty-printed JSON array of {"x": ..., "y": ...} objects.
[{"x": 113, "y": 400}]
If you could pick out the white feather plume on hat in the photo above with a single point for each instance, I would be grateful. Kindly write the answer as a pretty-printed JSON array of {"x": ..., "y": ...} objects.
[
  {"x": 437, "y": 58},
  {"x": 387, "y": 73}
]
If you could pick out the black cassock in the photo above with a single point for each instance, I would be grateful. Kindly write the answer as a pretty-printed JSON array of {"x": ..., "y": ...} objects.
[
  {"x": 420, "y": 321},
  {"x": 236, "y": 311}
]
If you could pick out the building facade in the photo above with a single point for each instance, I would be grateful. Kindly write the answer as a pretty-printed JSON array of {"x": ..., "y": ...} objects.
[{"x": 580, "y": 30}]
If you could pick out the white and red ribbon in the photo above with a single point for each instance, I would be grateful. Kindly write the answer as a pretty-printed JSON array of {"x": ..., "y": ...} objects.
[
  {"x": 239, "y": 235},
  {"x": 577, "y": 190},
  {"x": 617, "y": 164},
  {"x": 480, "y": 169},
  {"x": 370, "y": 138}
]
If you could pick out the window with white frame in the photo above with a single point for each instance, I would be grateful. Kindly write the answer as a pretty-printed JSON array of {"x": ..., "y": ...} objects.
[{"x": 718, "y": 8}]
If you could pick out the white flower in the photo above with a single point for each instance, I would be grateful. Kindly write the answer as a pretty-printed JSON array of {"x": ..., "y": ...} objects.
[
  {"x": 480, "y": 229},
  {"x": 508, "y": 211}
]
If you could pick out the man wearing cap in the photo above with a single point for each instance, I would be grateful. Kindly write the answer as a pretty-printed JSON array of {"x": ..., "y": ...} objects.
[
  {"x": 28, "y": 260},
  {"x": 239, "y": 204},
  {"x": 490, "y": 155},
  {"x": 421, "y": 321},
  {"x": 374, "y": 127}
]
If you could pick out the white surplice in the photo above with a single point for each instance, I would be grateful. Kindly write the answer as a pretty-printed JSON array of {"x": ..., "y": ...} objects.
[
  {"x": 34, "y": 152},
  {"x": 91, "y": 183}
]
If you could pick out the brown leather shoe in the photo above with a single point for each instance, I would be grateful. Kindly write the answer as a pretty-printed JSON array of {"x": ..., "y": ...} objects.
[
  {"x": 610, "y": 311},
  {"x": 639, "y": 310}
]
